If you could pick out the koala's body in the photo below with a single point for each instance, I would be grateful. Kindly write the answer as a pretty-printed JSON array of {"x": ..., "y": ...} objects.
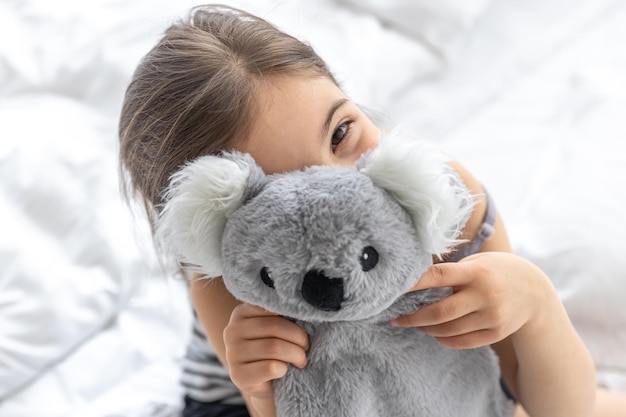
[
  {"x": 370, "y": 369},
  {"x": 335, "y": 249}
]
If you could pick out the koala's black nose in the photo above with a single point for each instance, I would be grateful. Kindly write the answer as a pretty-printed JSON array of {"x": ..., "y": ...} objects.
[{"x": 322, "y": 292}]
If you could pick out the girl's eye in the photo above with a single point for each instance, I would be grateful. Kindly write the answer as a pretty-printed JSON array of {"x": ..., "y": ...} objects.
[{"x": 340, "y": 134}]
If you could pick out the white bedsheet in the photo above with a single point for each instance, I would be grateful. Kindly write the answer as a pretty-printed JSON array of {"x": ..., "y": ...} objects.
[{"x": 531, "y": 96}]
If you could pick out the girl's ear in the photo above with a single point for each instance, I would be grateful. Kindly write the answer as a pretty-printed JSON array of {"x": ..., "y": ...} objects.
[
  {"x": 416, "y": 174},
  {"x": 198, "y": 201}
]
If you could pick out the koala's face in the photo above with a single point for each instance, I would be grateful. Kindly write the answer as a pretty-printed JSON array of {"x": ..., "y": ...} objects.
[{"x": 321, "y": 245}]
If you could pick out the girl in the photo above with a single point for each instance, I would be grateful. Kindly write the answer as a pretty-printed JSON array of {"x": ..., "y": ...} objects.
[{"x": 225, "y": 80}]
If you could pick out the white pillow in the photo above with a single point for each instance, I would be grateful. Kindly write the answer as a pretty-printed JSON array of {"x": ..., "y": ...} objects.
[
  {"x": 68, "y": 254},
  {"x": 443, "y": 25}
]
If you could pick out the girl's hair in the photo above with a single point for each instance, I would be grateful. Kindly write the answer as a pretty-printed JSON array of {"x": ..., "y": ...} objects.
[{"x": 194, "y": 94}]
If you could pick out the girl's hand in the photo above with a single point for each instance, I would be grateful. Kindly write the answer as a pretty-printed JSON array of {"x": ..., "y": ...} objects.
[
  {"x": 495, "y": 294},
  {"x": 259, "y": 345}
]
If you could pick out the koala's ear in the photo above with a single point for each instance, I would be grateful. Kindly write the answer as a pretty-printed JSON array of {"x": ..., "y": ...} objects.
[
  {"x": 416, "y": 174},
  {"x": 198, "y": 201}
]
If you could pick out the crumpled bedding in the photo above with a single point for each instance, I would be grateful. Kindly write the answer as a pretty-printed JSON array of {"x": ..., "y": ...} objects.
[{"x": 530, "y": 96}]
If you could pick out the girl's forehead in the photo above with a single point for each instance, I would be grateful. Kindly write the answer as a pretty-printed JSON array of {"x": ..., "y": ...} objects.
[
  {"x": 288, "y": 95},
  {"x": 287, "y": 131}
]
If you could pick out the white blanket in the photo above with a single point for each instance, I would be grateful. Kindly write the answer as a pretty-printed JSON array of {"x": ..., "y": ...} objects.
[{"x": 531, "y": 96}]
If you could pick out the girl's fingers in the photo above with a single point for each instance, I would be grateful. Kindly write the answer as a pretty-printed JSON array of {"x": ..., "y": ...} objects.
[
  {"x": 471, "y": 340},
  {"x": 272, "y": 350},
  {"x": 256, "y": 377},
  {"x": 249, "y": 310},
  {"x": 442, "y": 275},
  {"x": 259, "y": 345},
  {"x": 450, "y": 308},
  {"x": 461, "y": 326},
  {"x": 275, "y": 328},
  {"x": 256, "y": 323}
]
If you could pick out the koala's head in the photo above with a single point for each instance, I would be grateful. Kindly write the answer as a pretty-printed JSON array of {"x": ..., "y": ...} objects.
[{"x": 323, "y": 244}]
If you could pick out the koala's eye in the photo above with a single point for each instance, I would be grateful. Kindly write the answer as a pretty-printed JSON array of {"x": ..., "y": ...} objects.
[
  {"x": 368, "y": 259},
  {"x": 266, "y": 277}
]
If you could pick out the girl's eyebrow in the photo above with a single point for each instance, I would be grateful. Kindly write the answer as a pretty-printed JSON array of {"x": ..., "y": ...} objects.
[{"x": 331, "y": 113}]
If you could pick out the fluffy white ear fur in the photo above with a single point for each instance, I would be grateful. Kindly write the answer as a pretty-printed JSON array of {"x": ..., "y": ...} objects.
[
  {"x": 415, "y": 173},
  {"x": 199, "y": 199}
]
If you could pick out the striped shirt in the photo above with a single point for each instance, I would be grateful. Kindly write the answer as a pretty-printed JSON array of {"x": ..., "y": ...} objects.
[{"x": 204, "y": 377}]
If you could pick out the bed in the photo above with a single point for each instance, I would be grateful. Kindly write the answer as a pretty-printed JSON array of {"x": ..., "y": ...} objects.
[{"x": 530, "y": 96}]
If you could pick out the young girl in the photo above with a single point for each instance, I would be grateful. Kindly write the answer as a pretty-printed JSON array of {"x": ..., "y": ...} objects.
[{"x": 225, "y": 80}]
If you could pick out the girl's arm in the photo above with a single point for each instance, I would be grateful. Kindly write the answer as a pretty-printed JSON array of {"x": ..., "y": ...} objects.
[
  {"x": 506, "y": 302},
  {"x": 258, "y": 344}
]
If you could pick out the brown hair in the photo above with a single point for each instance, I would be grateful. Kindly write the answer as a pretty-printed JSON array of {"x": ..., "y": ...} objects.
[{"x": 194, "y": 93}]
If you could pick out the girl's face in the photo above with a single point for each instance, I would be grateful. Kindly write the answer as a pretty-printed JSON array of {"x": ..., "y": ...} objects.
[{"x": 306, "y": 121}]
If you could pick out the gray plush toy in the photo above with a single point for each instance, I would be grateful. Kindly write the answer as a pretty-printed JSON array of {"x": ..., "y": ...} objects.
[{"x": 335, "y": 249}]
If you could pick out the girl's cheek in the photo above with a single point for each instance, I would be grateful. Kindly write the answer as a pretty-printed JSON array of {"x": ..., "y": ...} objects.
[
  {"x": 374, "y": 139},
  {"x": 358, "y": 144},
  {"x": 370, "y": 137}
]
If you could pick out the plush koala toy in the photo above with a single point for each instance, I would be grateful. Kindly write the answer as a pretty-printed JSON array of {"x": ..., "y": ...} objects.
[{"x": 335, "y": 249}]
